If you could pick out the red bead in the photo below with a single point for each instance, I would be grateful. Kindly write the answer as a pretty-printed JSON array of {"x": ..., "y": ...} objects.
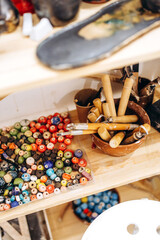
[
  {"x": 33, "y": 129},
  {"x": 42, "y": 119},
  {"x": 42, "y": 148},
  {"x": 49, "y": 117},
  {"x": 4, "y": 146},
  {"x": 39, "y": 141},
  {"x": 53, "y": 140},
  {"x": 53, "y": 128},
  {"x": 56, "y": 114},
  {"x": 86, "y": 210},
  {"x": 49, "y": 122},
  {"x": 82, "y": 162},
  {"x": 69, "y": 136},
  {"x": 38, "y": 125},
  {"x": 34, "y": 147},
  {"x": 32, "y": 124},
  {"x": 62, "y": 146},
  {"x": 67, "y": 120},
  {"x": 42, "y": 129},
  {"x": 60, "y": 126},
  {"x": 64, "y": 127}
]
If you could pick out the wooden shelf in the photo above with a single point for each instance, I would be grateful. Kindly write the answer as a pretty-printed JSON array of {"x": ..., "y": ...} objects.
[
  {"x": 65, "y": 225},
  {"x": 109, "y": 172},
  {"x": 20, "y": 69}
]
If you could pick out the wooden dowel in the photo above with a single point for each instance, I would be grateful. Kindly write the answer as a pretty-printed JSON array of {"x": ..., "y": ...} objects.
[
  {"x": 98, "y": 104},
  {"x": 116, "y": 140},
  {"x": 106, "y": 111},
  {"x": 108, "y": 94},
  {"x": 146, "y": 126},
  {"x": 124, "y": 119},
  {"x": 95, "y": 111},
  {"x": 92, "y": 117},
  {"x": 125, "y": 95},
  {"x": 104, "y": 134}
]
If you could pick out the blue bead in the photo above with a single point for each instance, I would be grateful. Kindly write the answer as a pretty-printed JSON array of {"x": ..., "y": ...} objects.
[
  {"x": 21, "y": 197},
  {"x": 48, "y": 164},
  {"x": 98, "y": 194},
  {"x": 12, "y": 198},
  {"x": 96, "y": 200},
  {"x": 23, "y": 169},
  {"x": 53, "y": 176},
  {"x": 26, "y": 200},
  {"x": 49, "y": 172},
  {"x": 77, "y": 202},
  {"x": 55, "y": 120},
  {"x": 108, "y": 205},
  {"x": 94, "y": 215},
  {"x": 25, "y": 193},
  {"x": 90, "y": 198},
  {"x": 91, "y": 205},
  {"x": 78, "y": 153},
  {"x": 84, "y": 206},
  {"x": 26, "y": 177},
  {"x": 15, "y": 191},
  {"x": 20, "y": 185},
  {"x": 14, "y": 204},
  {"x": 113, "y": 202},
  {"x": 82, "y": 215},
  {"x": 114, "y": 196},
  {"x": 78, "y": 210},
  {"x": 105, "y": 199},
  {"x": 98, "y": 209},
  {"x": 102, "y": 204}
]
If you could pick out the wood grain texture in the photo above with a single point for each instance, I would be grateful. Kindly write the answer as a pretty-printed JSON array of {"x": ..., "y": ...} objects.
[
  {"x": 109, "y": 172},
  {"x": 20, "y": 69}
]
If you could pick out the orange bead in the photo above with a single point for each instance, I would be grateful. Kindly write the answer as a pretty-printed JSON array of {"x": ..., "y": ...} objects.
[
  {"x": 34, "y": 167},
  {"x": 7, "y": 206},
  {"x": 50, "y": 188},
  {"x": 83, "y": 180},
  {"x": 34, "y": 147},
  {"x": 75, "y": 160},
  {"x": 44, "y": 179},
  {"x": 12, "y": 146},
  {"x": 33, "y": 197},
  {"x": 66, "y": 176},
  {"x": 1, "y": 151}
]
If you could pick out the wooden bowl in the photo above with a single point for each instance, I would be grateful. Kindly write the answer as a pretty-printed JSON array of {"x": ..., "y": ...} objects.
[{"x": 123, "y": 150}]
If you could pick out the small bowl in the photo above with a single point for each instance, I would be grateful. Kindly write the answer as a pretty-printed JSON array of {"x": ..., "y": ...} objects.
[{"x": 123, "y": 150}]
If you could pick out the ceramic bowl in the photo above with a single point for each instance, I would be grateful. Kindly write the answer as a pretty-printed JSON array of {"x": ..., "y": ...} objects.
[{"x": 123, "y": 150}]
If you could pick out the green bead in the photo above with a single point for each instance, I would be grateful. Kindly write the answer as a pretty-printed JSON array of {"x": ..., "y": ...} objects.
[
  {"x": 67, "y": 154},
  {"x": 68, "y": 169},
  {"x": 17, "y": 125},
  {"x": 24, "y": 129},
  {"x": 17, "y": 151},
  {"x": 20, "y": 160},
  {"x": 31, "y": 139},
  {"x": 28, "y": 133},
  {"x": 7, "y": 135},
  {"x": 24, "y": 146},
  {"x": 27, "y": 154},
  {"x": 13, "y": 132},
  {"x": 2, "y": 173},
  {"x": 19, "y": 135},
  {"x": 59, "y": 164},
  {"x": 17, "y": 181}
]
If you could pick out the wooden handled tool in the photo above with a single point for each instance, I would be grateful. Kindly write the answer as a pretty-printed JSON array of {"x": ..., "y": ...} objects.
[
  {"x": 106, "y": 110},
  {"x": 125, "y": 95},
  {"x": 116, "y": 139},
  {"x": 123, "y": 119},
  {"x": 95, "y": 126},
  {"x": 77, "y": 132},
  {"x": 95, "y": 111},
  {"x": 145, "y": 128},
  {"x": 92, "y": 117},
  {"x": 98, "y": 104},
  {"x": 134, "y": 137},
  {"x": 104, "y": 134},
  {"x": 108, "y": 94}
]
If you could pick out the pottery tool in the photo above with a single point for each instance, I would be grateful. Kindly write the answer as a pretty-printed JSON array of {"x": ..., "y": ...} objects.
[
  {"x": 116, "y": 139},
  {"x": 95, "y": 111},
  {"x": 145, "y": 128},
  {"x": 104, "y": 134},
  {"x": 134, "y": 137},
  {"x": 122, "y": 119},
  {"x": 125, "y": 95},
  {"x": 108, "y": 94},
  {"x": 106, "y": 110},
  {"x": 92, "y": 117},
  {"x": 98, "y": 104},
  {"x": 77, "y": 132},
  {"x": 95, "y": 126}
]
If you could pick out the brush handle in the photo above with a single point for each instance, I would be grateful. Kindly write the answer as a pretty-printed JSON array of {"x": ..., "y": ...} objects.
[
  {"x": 136, "y": 136},
  {"x": 104, "y": 134},
  {"x": 108, "y": 94},
  {"x": 124, "y": 119},
  {"x": 125, "y": 95},
  {"x": 116, "y": 139},
  {"x": 106, "y": 110},
  {"x": 92, "y": 117},
  {"x": 97, "y": 103},
  {"x": 95, "y": 111}
]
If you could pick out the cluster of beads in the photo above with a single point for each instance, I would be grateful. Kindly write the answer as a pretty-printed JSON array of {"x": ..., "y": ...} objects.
[
  {"x": 35, "y": 162},
  {"x": 88, "y": 208}
]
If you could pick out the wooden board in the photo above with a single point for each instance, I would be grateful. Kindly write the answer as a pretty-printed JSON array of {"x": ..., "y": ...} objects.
[
  {"x": 109, "y": 172},
  {"x": 20, "y": 69}
]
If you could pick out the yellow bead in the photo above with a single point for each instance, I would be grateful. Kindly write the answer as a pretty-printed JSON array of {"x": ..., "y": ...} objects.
[
  {"x": 60, "y": 153},
  {"x": 84, "y": 199},
  {"x": 28, "y": 147},
  {"x": 6, "y": 192},
  {"x": 39, "y": 184},
  {"x": 38, "y": 181},
  {"x": 88, "y": 170},
  {"x": 64, "y": 182},
  {"x": 40, "y": 167}
]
